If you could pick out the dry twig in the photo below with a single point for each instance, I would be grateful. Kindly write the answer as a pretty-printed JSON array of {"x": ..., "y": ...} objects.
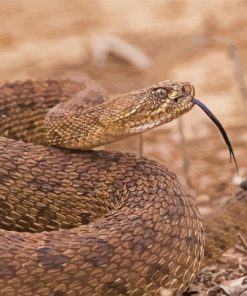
[
  {"x": 183, "y": 149},
  {"x": 239, "y": 73}
]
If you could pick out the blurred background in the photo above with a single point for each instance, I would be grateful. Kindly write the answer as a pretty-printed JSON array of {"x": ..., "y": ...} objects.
[{"x": 126, "y": 45}]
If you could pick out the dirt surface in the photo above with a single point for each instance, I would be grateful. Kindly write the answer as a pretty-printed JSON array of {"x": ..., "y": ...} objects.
[{"x": 200, "y": 41}]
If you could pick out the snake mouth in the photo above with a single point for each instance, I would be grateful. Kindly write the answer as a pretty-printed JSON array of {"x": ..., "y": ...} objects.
[{"x": 220, "y": 127}]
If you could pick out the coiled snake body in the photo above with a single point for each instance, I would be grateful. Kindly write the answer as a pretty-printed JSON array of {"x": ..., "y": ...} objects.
[{"x": 91, "y": 222}]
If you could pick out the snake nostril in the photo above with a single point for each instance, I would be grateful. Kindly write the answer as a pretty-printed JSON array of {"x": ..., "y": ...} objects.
[{"x": 188, "y": 89}]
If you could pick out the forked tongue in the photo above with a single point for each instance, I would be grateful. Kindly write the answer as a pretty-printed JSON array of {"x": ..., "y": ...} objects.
[{"x": 220, "y": 127}]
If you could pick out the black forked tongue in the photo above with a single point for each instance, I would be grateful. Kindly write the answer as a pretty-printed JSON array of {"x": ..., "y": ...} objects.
[{"x": 220, "y": 127}]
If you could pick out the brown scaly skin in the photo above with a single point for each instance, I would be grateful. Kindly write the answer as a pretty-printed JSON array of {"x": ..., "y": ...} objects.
[
  {"x": 151, "y": 238},
  {"x": 140, "y": 229},
  {"x": 113, "y": 120},
  {"x": 145, "y": 209},
  {"x": 223, "y": 225}
]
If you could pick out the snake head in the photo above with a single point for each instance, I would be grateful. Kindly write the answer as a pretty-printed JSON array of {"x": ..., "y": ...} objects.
[
  {"x": 174, "y": 98},
  {"x": 159, "y": 104}
]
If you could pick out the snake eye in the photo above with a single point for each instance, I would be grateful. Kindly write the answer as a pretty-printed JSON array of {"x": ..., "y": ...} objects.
[{"x": 160, "y": 93}]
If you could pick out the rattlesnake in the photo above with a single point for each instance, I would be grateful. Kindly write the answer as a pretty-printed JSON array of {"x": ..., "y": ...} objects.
[{"x": 128, "y": 227}]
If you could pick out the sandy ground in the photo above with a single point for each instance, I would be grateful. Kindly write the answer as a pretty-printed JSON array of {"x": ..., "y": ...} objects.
[{"x": 204, "y": 42}]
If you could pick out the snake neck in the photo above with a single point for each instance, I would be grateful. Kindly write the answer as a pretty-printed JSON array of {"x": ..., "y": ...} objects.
[{"x": 74, "y": 126}]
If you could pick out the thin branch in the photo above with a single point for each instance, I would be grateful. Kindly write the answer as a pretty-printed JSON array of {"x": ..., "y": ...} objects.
[
  {"x": 239, "y": 73},
  {"x": 183, "y": 148},
  {"x": 242, "y": 240},
  {"x": 140, "y": 145}
]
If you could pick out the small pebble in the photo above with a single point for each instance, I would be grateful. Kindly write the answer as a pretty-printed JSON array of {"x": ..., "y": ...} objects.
[
  {"x": 204, "y": 211},
  {"x": 237, "y": 180},
  {"x": 203, "y": 198},
  {"x": 166, "y": 292},
  {"x": 243, "y": 184}
]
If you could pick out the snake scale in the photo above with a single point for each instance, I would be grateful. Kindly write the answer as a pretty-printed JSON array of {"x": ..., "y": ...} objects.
[{"x": 87, "y": 222}]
